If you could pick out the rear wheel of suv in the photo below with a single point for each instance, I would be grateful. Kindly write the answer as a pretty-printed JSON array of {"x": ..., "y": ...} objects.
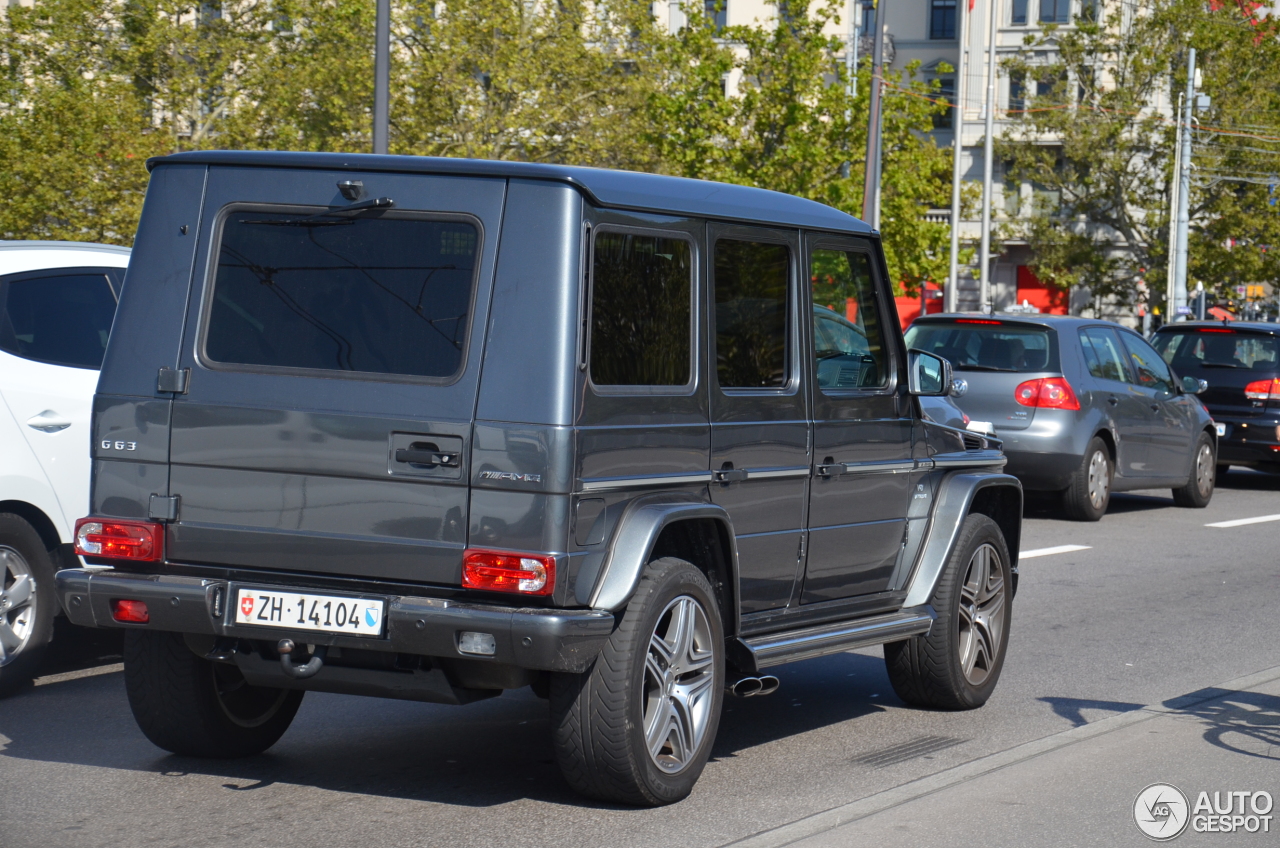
[
  {"x": 28, "y": 602},
  {"x": 1087, "y": 497},
  {"x": 1199, "y": 489},
  {"x": 956, "y": 664},
  {"x": 637, "y": 727},
  {"x": 196, "y": 707}
]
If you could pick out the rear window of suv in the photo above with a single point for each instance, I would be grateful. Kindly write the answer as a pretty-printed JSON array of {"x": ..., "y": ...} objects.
[
  {"x": 1212, "y": 347},
  {"x": 980, "y": 344},
  {"x": 385, "y": 295}
]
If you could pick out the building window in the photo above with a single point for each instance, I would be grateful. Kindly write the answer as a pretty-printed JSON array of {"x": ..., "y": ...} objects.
[
  {"x": 1017, "y": 93},
  {"x": 1090, "y": 9},
  {"x": 1055, "y": 11},
  {"x": 946, "y": 93},
  {"x": 942, "y": 19},
  {"x": 1019, "y": 15},
  {"x": 717, "y": 12}
]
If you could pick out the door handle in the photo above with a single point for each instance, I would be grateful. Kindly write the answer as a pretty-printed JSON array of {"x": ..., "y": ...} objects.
[
  {"x": 729, "y": 475},
  {"x": 48, "y": 422},
  {"x": 427, "y": 456},
  {"x": 1113, "y": 400},
  {"x": 1155, "y": 407},
  {"x": 832, "y": 469}
]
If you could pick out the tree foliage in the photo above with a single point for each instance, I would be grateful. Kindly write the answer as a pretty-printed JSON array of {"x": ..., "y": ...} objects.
[{"x": 91, "y": 88}]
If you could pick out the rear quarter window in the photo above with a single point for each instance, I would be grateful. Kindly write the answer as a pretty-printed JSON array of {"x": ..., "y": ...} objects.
[
  {"x": 987, "y": 345},
  {"x": 376, "y": 294}
]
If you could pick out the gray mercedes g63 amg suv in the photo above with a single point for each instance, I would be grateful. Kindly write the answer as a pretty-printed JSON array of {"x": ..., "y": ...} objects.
[{"x": 432, "y": 429}]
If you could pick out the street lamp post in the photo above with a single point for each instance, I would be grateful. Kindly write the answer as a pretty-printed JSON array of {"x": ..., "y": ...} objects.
[{"x": 381, "y": 76}]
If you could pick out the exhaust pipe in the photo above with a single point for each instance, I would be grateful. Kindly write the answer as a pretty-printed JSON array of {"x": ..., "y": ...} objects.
[{"x": 750, "y": 687}]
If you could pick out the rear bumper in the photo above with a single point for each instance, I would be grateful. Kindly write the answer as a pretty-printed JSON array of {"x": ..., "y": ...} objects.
[
  {"x": 535, "y": 639},
  {"x": 1042, "y": 471},
  {"x": 1249, "y": 442}
]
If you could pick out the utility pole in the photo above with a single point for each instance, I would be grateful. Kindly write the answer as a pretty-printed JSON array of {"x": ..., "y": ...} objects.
[
  {"x": 1184, "y": 192},
  {"x": 381, "y": 76},
  {"x": 988, "y": 153},
  {"x": 952, "y": 301},
  {"x": 871, "y": 184},
  {"x": 1170, "y": 295}
]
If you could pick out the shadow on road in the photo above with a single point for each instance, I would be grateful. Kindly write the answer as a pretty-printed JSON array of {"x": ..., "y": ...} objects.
[
  {"x": 1246, "y": 479},
  {"x": 1049, "y": 504},
  {"x": 1244, "y": 722},
  {"x": 494, "y": 752},
  {"x": 1072, "y": 709}
]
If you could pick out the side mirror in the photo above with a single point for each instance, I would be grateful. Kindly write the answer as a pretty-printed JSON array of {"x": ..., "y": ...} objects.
[
  {"x": 1193, "y": 386},
  {"x": 928, "y": 375}
]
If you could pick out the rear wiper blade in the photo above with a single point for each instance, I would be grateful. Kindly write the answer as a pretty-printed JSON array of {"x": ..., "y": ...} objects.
[{"x": 317, "y": 220}]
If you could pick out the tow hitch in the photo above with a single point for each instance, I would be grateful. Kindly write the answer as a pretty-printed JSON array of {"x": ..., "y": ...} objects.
[{"x": 285, "y": 648}]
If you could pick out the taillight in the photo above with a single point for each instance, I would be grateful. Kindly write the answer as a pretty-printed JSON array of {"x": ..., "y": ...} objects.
[
  {"x": 1263, "y": 389},
  {"x": 1046, "y": 393},
  {"x": 137, "y": 541},
  {"x": 130, "y": 612},
  {"x": 498, "y": 571}
]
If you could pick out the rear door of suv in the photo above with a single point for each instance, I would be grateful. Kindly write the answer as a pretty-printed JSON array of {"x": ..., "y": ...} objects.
[{"x": 332, "y": 360}]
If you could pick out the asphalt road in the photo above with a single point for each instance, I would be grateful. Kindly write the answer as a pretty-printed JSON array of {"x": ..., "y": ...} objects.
[{"x": 1157, "y": 606}]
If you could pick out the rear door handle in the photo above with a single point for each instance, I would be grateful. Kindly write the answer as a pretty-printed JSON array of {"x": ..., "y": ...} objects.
[
  {"x": 48, "y": 422},
  {"x": 1113, "y": 400},
  {"x": 1155, "y": 407},
  {"x": 833, "y": 469},
  {"x": 729, "y": 475},
  {"x": 416, "y": 456}
]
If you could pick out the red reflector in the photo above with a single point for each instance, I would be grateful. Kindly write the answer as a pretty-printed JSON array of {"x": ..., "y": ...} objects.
[
  {"x": 1046, "y": 393},
  {"x": 132, "y": 612},
  {"x": 1263, "y": 389},
  {"x": 977, "y": 321},
  {"x": 499, "y": 571},
  {"x": 138, "y": 541}
]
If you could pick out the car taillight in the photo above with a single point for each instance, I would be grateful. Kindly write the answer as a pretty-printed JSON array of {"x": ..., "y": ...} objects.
[
  {"x": 1046, "y": 393},
  {"x": 137, "y": 541},
  {"x": 498, "y": 571},
  {"x": 1263, "y": 389},
  {"x": 130, "y": 612}
]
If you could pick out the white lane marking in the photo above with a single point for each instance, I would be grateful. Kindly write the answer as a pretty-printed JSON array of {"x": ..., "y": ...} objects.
[
  {"x": 1060, "y": 549},
  {"x": 1240, "y": 522}
]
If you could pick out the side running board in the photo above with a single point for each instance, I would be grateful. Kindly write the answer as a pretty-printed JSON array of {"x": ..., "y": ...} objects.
[{"x": 757, "y": 652}]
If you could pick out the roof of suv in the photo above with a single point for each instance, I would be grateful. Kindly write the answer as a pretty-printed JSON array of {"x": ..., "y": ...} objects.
[
  {"x": 1055, "y": 321},
  {"x": 1252, "y": 326},
  {"x": 617, "y": 189}
]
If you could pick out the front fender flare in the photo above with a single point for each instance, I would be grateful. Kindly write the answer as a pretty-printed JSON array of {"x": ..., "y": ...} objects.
[
  {"x": 954, "y": 502},
  {"x": 638, "y": 529}
]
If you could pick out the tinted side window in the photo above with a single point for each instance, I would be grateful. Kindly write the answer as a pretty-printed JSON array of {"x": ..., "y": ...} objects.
[
  {"x": 382, "y": 295},
  {"x": 641, "y": 295},
  {"x": 848, "y": 340},
  {"x": 63, "y": 319},
  {"x": 1150, "y": 369},
  {"x": 1102, "y": 354},
  {"x": 751, "y": 313}
]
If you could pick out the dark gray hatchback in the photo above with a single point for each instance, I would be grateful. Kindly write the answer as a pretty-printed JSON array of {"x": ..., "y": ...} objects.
[
  {"x": 432, "y": 429},
  {"x": 1084, "y": 407}
]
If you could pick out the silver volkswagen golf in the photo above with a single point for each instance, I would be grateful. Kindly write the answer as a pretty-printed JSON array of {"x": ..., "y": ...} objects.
[{"x": 1084, "y": 407}]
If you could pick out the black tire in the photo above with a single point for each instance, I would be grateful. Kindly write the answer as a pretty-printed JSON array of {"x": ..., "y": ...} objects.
[
  {"x": 1199, "y": 489},
  {"x": 598, "y": 717},
  {"x": 199, "y": 708},
  {"x": 1080, "y": 501},
  {"x": 26, "y": 617},
  {"x": 928, "y": 670}
]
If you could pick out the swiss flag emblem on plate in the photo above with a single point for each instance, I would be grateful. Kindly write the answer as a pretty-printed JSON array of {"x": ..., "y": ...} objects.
[{"x": 246, "y": 605}]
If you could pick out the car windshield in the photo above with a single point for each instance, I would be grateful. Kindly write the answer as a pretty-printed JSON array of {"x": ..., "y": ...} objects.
[
  {"x": 1214, "y": 347},
  {"x": 985, "y": 345}
]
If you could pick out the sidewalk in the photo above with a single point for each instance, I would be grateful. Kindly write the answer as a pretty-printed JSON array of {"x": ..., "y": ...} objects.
[{"x": 1076, "y": 788}]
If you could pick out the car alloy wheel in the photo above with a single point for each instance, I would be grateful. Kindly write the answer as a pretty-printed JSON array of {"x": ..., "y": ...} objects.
[
  {"x": 982, "y": 600},
  {"x": 17, "y": 604},
  {"x": 1204, "y": 470},
  {"x": 679, "y": 677},
  {"x": 1099, "y": 478}
]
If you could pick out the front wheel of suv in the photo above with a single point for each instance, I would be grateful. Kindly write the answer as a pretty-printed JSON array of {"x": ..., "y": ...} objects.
[
  {"x": 956, "y": 664},
  {"x": 1199, "y": 489},
  {"x": 637, "y": 726},
  {"x": 200, "y": 708}
]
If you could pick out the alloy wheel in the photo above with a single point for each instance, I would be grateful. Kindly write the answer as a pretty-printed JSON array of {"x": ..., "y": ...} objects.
[
  {"x": 982, "y": 602},
  {"x": 17, "y": 604},
  {"x": 679, "y": 679},
  {"x": 1204, "y": 471},
  {"x": 1099, "y": 479}
]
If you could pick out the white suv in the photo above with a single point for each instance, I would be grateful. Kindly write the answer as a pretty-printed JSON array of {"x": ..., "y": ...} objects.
[{"x": 57, "y": 302}]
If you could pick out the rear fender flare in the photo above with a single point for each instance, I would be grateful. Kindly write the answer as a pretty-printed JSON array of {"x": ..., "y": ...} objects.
[
  {"x": 954, "y": 503},
  {"x": 638, "y": 529}
]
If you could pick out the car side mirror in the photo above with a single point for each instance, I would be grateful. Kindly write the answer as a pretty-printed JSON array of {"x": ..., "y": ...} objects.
[
  {"x": 1194, "y": 386},
  {"x": 928, "y": 375}
]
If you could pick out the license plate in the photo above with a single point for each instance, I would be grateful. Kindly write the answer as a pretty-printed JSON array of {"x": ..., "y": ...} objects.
[
  {"x": 299, "y": 611},
  {"x": 1222, "y": 429}
]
